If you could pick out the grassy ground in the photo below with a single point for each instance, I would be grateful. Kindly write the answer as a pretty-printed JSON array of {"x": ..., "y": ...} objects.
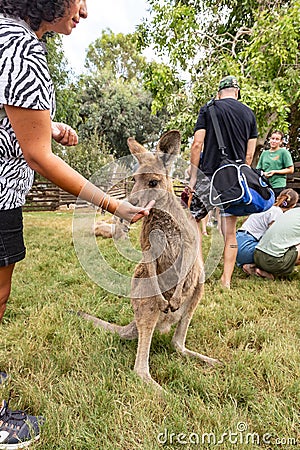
[{"x": 81, "y": 379}]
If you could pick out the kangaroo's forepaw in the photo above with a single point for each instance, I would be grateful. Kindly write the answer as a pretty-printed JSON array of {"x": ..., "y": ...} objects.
[
  {"x": 174, "y": 308},
  {"x": 170, "y": 308},
  {"x": 163, "y": 304},
  {"x": 175, "y": 304}
]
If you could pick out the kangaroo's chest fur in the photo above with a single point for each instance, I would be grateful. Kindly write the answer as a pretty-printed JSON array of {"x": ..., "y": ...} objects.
[{"x": 169, "y": 241}]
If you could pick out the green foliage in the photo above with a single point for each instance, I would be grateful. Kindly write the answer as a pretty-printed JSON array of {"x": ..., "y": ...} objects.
[
  {"x": 271, "y": 66},
  {"x": 56, "y": 61},
  {"x": 81, "y": 378},
  {"x": 116, "y": 53},
  {"x": 65, "y": 90},
  {"x": 112, "y": 102},
  {"x": 106, "y": 106},
  {"x": 240, "y": 13},
  {"x": 117, "y": 109},
  {"x": 162, "y": 82},
  {"x": 174, "y": 31},
  {"x": 87, "y": 157},
  {"x": 257, "y": 41}
]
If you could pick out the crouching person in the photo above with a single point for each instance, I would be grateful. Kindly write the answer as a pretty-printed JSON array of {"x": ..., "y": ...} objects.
[{"x": 278, "y": 251}]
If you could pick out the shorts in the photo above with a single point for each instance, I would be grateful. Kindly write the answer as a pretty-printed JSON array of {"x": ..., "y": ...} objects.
[
  {"x": 223, "y": 213},
  {"x": 12, "y": 248},
  {"x": 282, "y": 265},
  {"x": 246, "y": 246}
]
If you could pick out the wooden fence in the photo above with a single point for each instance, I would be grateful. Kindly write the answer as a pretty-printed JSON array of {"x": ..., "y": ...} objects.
[
  {"x": 43, "y": 195},
  {"x": 46, "y": 196},
  {"x": 293, "y": 180}
]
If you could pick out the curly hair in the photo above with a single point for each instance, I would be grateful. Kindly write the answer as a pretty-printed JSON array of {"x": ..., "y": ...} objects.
[
  {"x": 288, "y": 198},
  {"x": 34, "y": 12}
]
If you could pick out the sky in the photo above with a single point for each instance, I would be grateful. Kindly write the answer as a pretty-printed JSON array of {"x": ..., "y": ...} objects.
[{"x": 121, "y": 16}]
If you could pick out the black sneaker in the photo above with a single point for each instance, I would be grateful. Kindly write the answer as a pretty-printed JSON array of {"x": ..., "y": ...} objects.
[{"x": 17, "y": 429}]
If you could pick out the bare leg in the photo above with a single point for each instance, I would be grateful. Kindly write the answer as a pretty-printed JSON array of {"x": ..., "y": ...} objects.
[
  {"x": 5, "y": 286},
  {"x": 204, "y": 224},
  {"x": 218, "y": 218},
  {"x": 230, "y": 249}
]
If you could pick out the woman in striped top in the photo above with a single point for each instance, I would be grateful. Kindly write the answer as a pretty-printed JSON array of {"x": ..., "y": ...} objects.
[
  {"x": 27, "y": 108},
  {"x": 27, "y": 104}
]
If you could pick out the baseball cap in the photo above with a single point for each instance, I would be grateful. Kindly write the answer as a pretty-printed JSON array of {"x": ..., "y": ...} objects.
[{"x": 229, "y": 82}]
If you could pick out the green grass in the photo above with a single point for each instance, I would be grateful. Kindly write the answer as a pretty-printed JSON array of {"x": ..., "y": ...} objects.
[{"x": 81, "y": 379}]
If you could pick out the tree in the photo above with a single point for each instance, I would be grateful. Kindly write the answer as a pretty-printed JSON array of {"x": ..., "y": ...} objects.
[
  {"x": 93, "y": 152},
  {"x": 258, "y": 41},
  {"x": 115, "y": 103},
  {"x": 87, "y": 157},
  {"x": 117, "y": 53},
  {"x": 66, "y": 89},
  {"x": 116, "y": 109}
]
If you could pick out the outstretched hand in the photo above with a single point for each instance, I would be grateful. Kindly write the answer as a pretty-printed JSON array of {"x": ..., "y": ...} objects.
[
  {"x": 64, "y": 134},
  {"x": 133, "y": 213}
]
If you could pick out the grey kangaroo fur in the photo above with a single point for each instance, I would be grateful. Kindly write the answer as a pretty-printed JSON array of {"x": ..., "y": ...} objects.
[{"x": 167, "y": 284}]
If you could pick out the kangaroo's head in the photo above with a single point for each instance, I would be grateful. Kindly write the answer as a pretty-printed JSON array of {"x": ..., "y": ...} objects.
[{"x": 151, "y": 179}]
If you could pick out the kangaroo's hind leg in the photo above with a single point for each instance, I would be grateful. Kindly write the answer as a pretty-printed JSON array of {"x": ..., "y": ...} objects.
[
  {"x": 179, "y": 337},
  {"x": 146, "y": 313}
]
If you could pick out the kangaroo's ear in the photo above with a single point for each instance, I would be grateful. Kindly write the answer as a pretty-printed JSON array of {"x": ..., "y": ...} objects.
[
  {"x": 168, "y": 147},
  {"x": 136, "y": 149}
]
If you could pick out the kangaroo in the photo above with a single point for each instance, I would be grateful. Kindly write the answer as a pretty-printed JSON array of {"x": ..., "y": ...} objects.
[
  {"x": 167, "y": 284},
  {"x": 117, "y": 230}
]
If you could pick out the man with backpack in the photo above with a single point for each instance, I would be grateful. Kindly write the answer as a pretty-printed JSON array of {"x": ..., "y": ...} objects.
[{"x": 239, "y": 131}]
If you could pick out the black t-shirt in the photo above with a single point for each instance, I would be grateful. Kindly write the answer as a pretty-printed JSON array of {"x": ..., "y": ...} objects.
[{"x": 238, "y": 125}]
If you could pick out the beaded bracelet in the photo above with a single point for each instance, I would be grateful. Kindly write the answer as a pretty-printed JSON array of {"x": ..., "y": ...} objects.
[
  {"x": 108, "y": 202},
  {"x": 102, "y": 205}
]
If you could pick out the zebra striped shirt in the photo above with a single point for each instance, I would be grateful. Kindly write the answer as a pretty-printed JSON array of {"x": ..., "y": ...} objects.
[{"x": 25, "y": 82}]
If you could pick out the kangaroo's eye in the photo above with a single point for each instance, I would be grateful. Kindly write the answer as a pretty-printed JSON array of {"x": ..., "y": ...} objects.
[{"x": 153, "y": 183}]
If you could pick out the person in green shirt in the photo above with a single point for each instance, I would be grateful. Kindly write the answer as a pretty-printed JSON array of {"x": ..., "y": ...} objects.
[{"x": 276, "y": 163}]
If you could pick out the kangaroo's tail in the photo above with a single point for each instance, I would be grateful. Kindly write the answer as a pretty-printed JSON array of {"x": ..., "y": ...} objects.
[{"x": 125, "y": 332}]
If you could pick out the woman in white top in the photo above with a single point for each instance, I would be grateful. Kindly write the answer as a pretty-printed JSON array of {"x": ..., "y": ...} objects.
[{"x": 249, "y": 234}]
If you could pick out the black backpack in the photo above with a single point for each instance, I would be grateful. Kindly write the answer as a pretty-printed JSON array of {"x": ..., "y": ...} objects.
[{"x": 236, "y": 187}]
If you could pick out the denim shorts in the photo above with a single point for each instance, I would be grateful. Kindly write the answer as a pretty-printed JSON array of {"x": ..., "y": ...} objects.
[
  {"x": 246, "y": 246},
  {"x": 12, "y": 248}
]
